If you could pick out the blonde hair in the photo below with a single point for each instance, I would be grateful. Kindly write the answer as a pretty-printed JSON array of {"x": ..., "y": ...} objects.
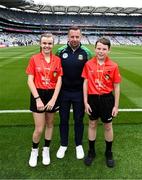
[{"x": 47, "y": 35}]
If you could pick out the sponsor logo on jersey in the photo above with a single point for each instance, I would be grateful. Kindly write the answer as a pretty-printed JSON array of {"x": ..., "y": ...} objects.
[{"x": 38, "y": 69}]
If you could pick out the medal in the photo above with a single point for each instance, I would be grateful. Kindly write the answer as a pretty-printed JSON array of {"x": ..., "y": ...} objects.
[
  {"x": 100, "y": 76},
  {"x": 46, "y": 78},
  {"x": 47, "y": 81},
  {"x": 99, "y": 83}
]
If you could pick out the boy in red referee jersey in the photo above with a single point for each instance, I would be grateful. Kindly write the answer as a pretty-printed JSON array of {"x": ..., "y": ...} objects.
[{"x": 101, "y": 81}]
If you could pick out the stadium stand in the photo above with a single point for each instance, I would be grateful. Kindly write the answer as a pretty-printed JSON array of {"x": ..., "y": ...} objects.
[{"x": 19, "y": 26}]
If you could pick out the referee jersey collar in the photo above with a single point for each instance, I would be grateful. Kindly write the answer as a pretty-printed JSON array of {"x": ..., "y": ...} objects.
[
  {"x": 107, "y": 59},
  {"x": 43, "y": 57}
]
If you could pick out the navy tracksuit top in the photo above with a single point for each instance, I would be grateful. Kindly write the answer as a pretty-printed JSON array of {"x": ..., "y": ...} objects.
[{"x": 73, "y": 63}]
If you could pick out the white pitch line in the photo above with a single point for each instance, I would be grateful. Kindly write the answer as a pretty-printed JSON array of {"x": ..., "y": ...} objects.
[
  {"x": 15, "y": 111},
  {"x": 28, "y": 111}
]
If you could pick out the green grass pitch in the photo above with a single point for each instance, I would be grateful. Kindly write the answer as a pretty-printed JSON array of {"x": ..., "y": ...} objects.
[{"x": 16, "y": 128}]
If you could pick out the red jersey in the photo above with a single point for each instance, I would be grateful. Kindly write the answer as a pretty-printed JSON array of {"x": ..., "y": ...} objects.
[
  {"x": 101, "y": 78},
  {"x": 45, "y": 74}
]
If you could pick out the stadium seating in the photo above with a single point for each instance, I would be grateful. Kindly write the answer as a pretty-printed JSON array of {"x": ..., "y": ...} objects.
[{"x": 24, "y": 29}]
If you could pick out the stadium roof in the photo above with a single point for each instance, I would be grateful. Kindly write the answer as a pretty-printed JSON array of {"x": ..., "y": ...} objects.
[{"x": 29, "y": 5}]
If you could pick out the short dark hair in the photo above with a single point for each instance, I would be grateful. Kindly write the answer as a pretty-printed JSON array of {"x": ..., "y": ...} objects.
[
  {"x": 104, "y": 41},
  {"x": 74, "y": 28}
]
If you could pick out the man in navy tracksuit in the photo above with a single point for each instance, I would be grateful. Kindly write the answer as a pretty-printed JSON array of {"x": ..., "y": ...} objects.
[{"x": 74, "y": 57}]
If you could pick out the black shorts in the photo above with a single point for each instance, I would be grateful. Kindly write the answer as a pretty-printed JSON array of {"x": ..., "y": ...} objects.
[
  {"x": 101, "y": 106},
  {"x": 45, "y": 96}
]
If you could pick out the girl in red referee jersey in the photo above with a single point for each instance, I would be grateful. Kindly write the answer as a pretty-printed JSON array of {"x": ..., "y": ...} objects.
[
  {"x": 44, "y": 80},
  {"x": 101, "y": 97}
]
